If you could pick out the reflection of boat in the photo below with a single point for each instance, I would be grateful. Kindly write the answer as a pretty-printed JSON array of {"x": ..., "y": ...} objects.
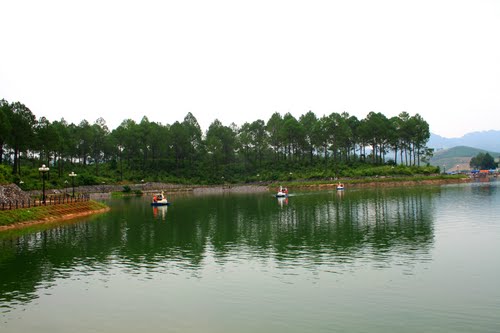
[
  {"x": 340, "y": 187},
  {"x": 160, "y": 200},
  {"x": 160, "y": 211},
  {"x": 282, "y": 192},
  {"x": 282, "y": 201}
]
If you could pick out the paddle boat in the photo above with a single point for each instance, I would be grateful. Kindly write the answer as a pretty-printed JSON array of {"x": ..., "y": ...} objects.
[
  {"x": 340, "y": 187},
  {"x": 282, "y": 192},
  {"x": 160, "y": 200}
]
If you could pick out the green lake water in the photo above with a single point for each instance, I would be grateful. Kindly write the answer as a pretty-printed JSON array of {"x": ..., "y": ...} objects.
[{"x": 423, "y": 259}]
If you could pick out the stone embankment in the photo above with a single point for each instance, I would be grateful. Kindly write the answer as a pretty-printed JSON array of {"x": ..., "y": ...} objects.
[
  {"x": 11, "y": 193},
  {"x": 108, "y": 188},
  {"x": 230, "y": 189},
  {"x": 152, "y": 187}
]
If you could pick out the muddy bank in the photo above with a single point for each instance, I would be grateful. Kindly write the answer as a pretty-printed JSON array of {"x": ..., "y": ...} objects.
[
  {"x": 51, "y": 214},
  {"x": 53, "y": 219},
  {"x": 50, "y": 220}
]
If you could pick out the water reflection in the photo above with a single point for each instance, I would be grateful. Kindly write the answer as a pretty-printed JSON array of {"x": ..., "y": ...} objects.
[
  {"x": 160, "y": 212},
  {"x": 484, "y": 187},
  {"x": 314, "y": 230},
  {"x": 282, "y": 201}
]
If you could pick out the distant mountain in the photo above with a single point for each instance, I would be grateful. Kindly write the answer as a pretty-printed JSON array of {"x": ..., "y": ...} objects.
[
  {"x": 487, "y": 140},
  {"x": 457, "y": 158}
]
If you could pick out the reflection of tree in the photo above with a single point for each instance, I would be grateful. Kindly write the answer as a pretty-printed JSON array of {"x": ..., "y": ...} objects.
[
  {"x": 375, "y": 221},
  {"x": 41, "y": 257},
  {"x": 312, "y": 228}
]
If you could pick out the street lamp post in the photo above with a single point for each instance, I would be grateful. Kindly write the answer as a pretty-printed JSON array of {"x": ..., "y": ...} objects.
[
  {"x": 43, "y": 169},
  {"x": 73, "y": 175},
  {"x": 120, "y": 148}
]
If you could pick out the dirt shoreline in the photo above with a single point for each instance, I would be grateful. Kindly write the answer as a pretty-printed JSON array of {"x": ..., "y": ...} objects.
[{"x": 52, "y": 219}]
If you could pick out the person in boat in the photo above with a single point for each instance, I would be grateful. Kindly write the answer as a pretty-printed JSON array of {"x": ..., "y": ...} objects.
[{"x": 155, "y": 199}]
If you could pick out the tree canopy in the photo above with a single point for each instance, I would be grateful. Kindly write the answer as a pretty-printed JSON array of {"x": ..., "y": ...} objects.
[
  {"x": 182, "y": 152},
  {"x": 483, "y": 161}
]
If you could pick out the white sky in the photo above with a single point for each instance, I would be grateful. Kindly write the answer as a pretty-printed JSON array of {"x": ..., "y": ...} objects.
[{"x": 240, "y": 61}]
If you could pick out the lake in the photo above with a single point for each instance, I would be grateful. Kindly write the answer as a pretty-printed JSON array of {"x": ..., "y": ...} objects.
[{"x": 423, "y": 259}]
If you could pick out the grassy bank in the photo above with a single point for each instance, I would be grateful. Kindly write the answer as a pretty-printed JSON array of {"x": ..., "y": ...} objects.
[{"x": 43, "y": 214}]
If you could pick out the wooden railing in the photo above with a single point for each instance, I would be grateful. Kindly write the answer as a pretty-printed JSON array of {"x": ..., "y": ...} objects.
[{"x": 50, "y": 200}]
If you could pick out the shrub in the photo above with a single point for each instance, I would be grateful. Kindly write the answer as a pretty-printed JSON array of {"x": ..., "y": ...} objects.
[
  {"x": 86, "y": 179},
  {"x": 5, "y": 174}
]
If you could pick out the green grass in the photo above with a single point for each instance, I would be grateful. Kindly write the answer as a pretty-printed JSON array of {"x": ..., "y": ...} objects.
[{"x": 39, "y": 213}]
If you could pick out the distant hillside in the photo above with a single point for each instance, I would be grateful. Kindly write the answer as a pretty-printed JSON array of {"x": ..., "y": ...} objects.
[
  {"x": 487, "y": 140},
  {"x": 457, "y": 156}
]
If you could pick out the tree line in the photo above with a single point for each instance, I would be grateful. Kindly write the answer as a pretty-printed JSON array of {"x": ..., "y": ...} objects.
[
  {"x": 483, "y": 161},
  {"x": 182, "y": 151}
]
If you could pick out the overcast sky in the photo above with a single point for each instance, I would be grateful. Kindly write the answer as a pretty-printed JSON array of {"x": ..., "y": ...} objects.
[{"x": 239, "y": 61}]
